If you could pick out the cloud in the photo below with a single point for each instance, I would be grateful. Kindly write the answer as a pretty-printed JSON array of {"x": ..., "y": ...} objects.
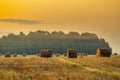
[{"x": 20, "y": 21}]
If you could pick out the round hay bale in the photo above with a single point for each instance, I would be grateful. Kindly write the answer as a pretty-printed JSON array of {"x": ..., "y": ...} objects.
[
  {"x": 8, "y": 55},
  {"x": 46, "y": 53},
  {"x": 71, "y": 53},
  {"x": 103, "y": 52},
  {"x": 115, "y": 54},
  {"x": 57, "y": 55},
  {"x": 24, "y": 54},
  {"x": 15, "y": 55}
]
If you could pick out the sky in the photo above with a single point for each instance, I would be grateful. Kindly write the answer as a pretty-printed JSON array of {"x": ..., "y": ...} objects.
[{"x": 96, "y": 16}]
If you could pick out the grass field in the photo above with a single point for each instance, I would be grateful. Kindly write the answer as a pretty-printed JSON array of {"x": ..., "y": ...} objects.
[{"x": 59, "y": 68}]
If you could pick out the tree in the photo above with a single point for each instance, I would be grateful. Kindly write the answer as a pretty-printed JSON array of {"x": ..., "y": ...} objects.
[{"x": 58, "y": 42}]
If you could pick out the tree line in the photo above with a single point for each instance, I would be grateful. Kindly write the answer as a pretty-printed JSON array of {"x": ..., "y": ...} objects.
[{"x": 58, "y": 42}]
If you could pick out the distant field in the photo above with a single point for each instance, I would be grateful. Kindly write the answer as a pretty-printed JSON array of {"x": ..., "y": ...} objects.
[{"x": 59, "y": 68}]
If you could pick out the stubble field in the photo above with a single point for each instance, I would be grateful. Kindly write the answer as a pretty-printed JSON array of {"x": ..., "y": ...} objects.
[{"x": 59, "y": 68}]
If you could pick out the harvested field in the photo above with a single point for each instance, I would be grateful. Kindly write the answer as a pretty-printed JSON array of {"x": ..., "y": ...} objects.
[{"x": 59, "y": 68}]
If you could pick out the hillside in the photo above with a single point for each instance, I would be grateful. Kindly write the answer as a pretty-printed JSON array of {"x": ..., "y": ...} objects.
[{"x": 58, "y": 42}]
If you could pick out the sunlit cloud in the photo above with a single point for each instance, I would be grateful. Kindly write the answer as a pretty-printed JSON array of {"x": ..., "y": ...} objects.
[{"x": 20, "y": 21}]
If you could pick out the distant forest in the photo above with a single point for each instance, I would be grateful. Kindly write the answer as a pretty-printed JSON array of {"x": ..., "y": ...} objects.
[{"x": 58, "y": 42}]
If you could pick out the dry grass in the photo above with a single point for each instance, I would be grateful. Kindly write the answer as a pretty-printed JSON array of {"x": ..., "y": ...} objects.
[{"x": 59, "y": 68}]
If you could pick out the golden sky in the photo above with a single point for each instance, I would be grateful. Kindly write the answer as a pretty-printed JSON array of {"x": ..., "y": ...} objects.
[{"x": 99, "y": 16}]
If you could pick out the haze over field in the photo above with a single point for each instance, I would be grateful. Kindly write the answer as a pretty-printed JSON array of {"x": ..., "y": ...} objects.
[{"x": 97, "y": 16}]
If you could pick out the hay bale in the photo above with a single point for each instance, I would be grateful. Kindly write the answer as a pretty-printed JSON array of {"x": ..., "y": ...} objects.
[
  {"x": 8, "y": 55},
  {"x": 24, "y": 54},
  {"x": 115, "y": 54},
  {"x": 103, "y": 52},
  {"x": 46, "y": 53},
  {"x": 57, "y": 55},
  {"x": 71, "y": 53},
  {"x": 15, "y": 55}
]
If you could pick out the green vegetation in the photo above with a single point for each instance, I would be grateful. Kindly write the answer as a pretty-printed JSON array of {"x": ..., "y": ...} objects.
[
  {"x": 59, "y": 68},
  {"x": 58, "y": 42}
]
